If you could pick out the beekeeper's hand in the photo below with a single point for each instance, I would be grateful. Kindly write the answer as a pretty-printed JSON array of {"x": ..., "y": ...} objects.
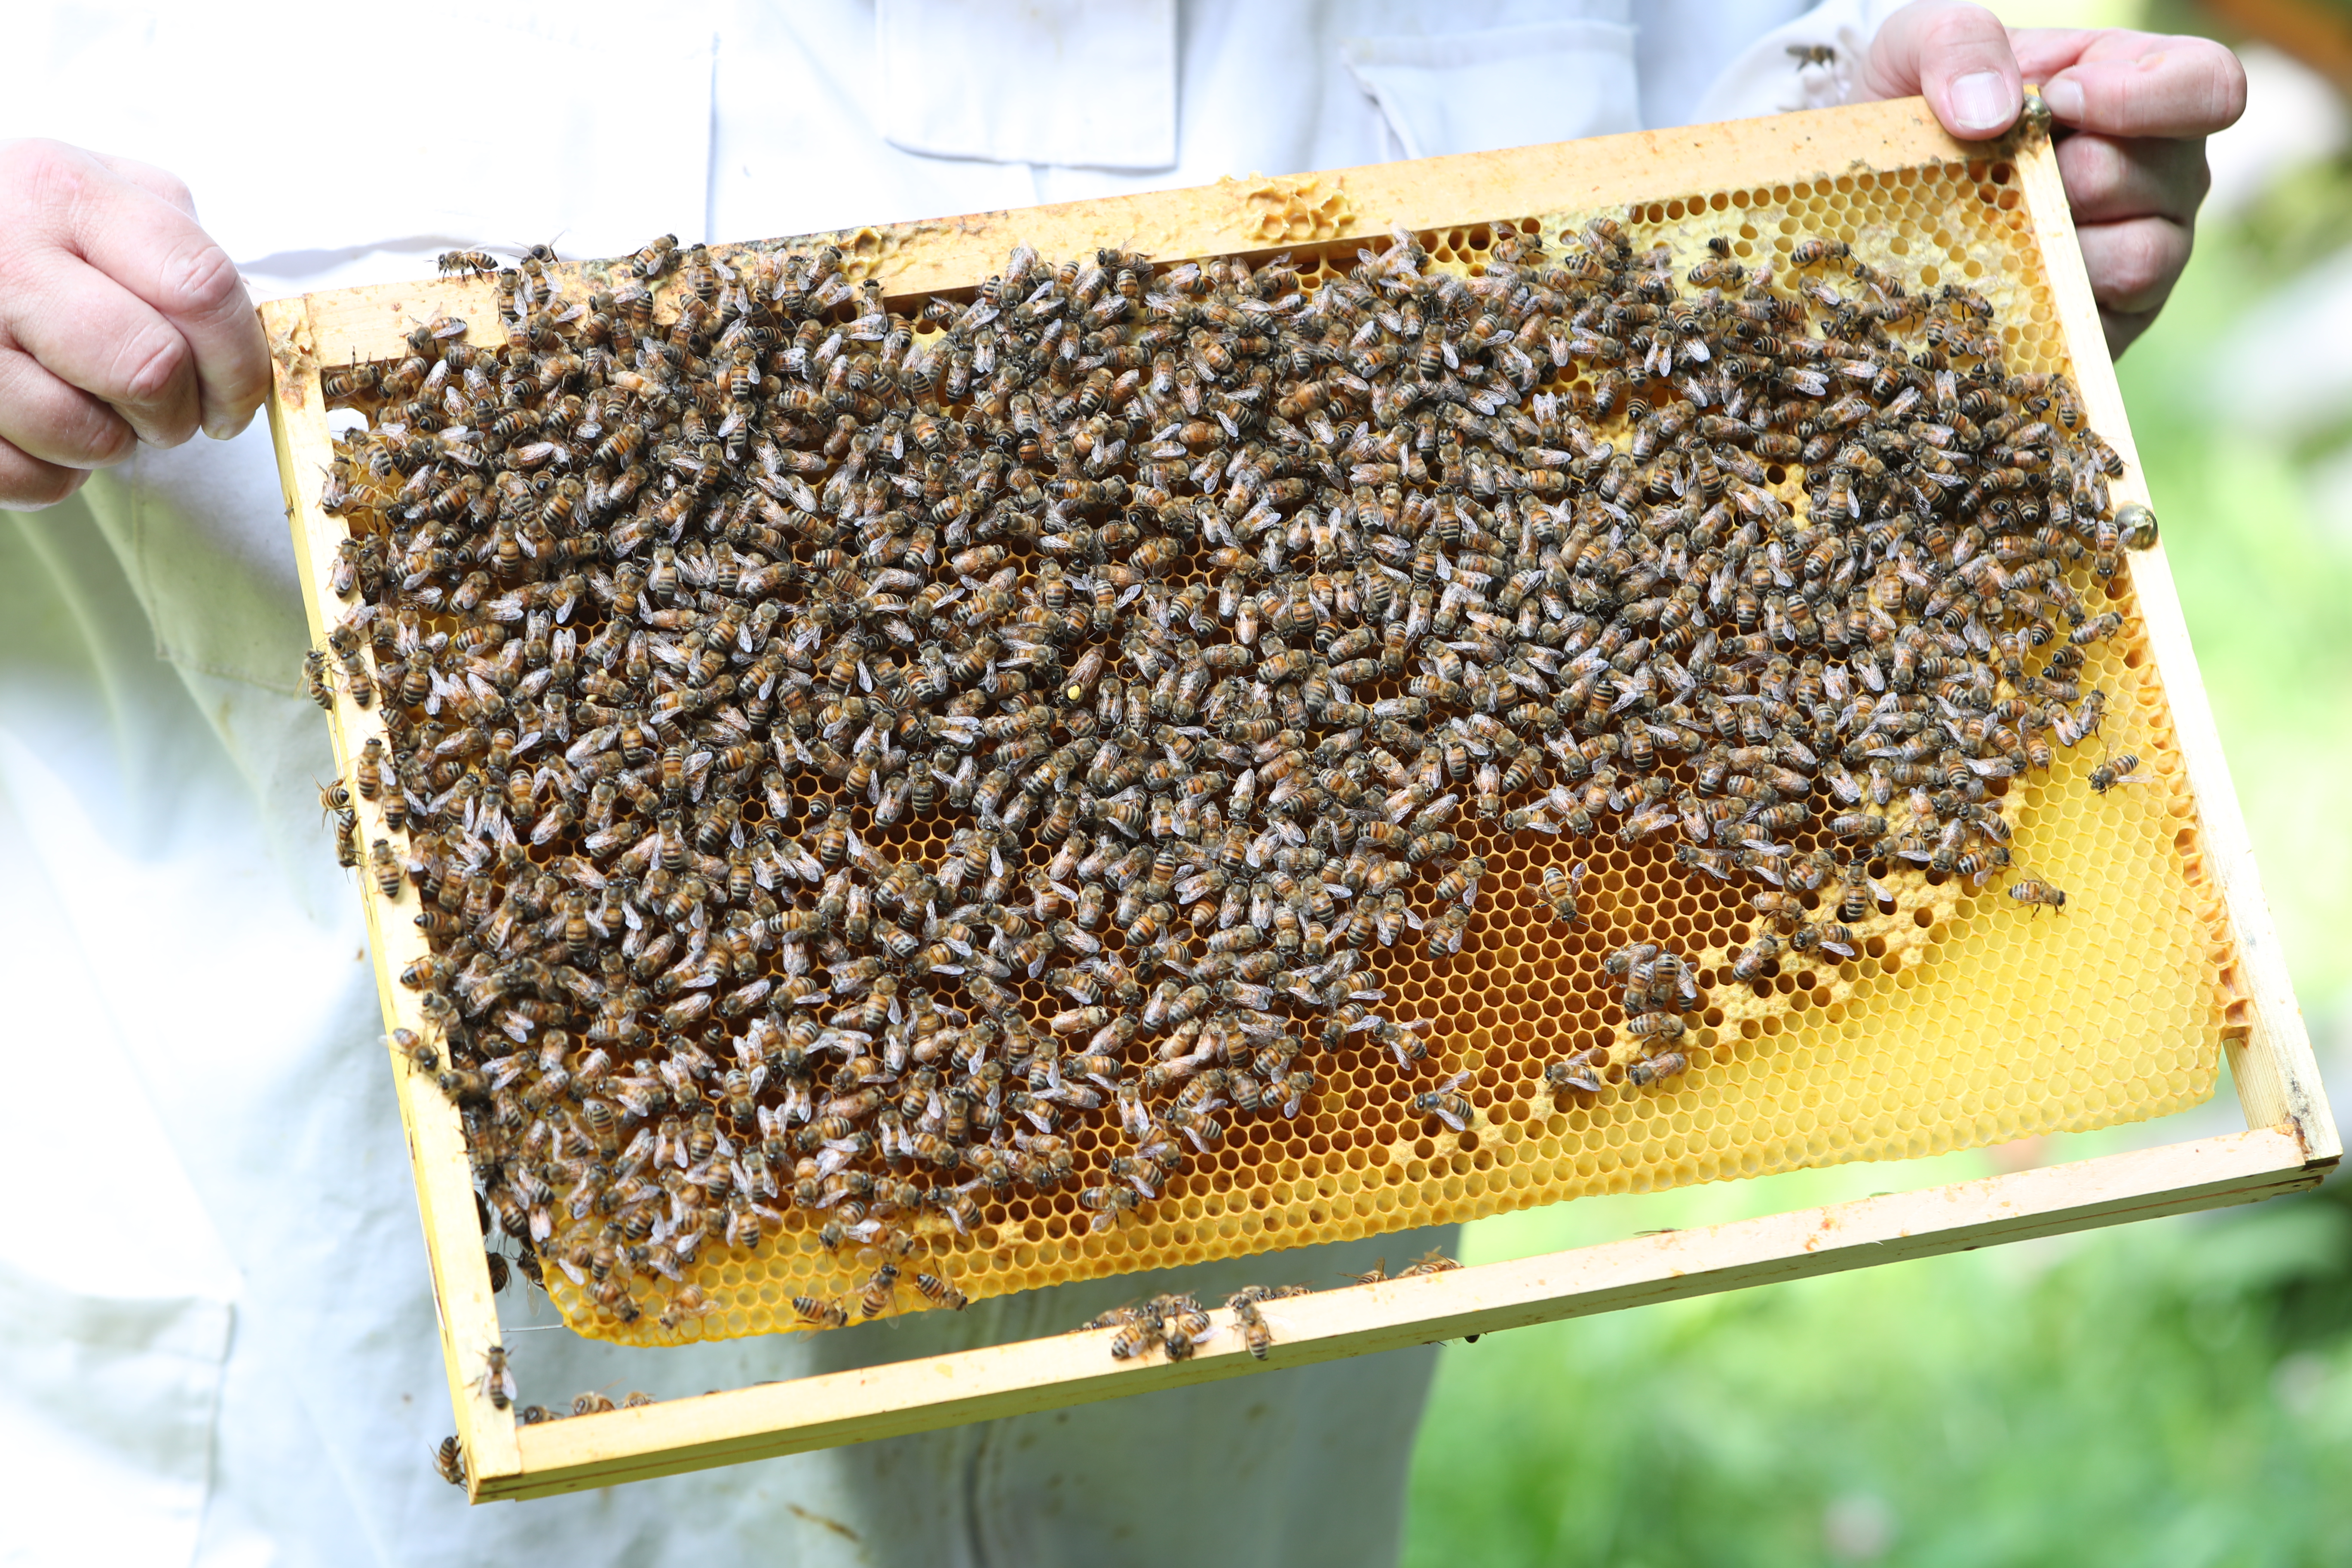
[
  {"x": 2133, "y": 110},
  {"x": 120, "y": 321}
]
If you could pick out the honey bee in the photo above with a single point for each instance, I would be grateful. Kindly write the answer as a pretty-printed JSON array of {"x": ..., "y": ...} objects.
[
  {"x": 1655, "y": 1026},
  {"x": 1252, "y": 1323},
  {"x": 1135, "y": 1338},
  {"x": 881, "y": 1290},
  {"x": 1561, "y": 890},
  {"x": 2117, "y": 771},
  {"x": 474, "y": 263},
  {"x": 939, "y": 1292},
  {"x": 2038, "y": 893},
  {"x": 1828, "y": 937},
  {"x": 1183, "y": 1327},
  {"x": 2096, "y": 629},
  {"x": 418, "y": 1053},
  {"x": 367, "y": 769},
  {"x": 1656, "y": 1070},
  {"x": 356, "y": 679},
  {"x": 1444, "y": 930},
  {"x": 1430, "y": 1262},
  {"x": 1980, "y": 864},
  {"x": 823, "y": 1311},
  {"x": 656, "y": 258},
  {"x": 497, "y": 1382},
  {"x": 1580, "y": 1071},
  {"x": 449, "y": 1462},
  {"x": 685, "y": 1302},
  {"x": 343, "y": 576},
  {"x": 315, "y": 678},
  {"x": 1750, "y": 965},
  {"x": 1107, "y": 1204},
  {"x": 385, "y": 867},
  {"x": 1461, "y": 883},
  {"x": 1854, "y": 891},
  {"x": 1447, "y": 1106}
]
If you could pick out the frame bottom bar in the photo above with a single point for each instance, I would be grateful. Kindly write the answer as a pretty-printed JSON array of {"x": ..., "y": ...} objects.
[{"x": 894, "y": 1400}]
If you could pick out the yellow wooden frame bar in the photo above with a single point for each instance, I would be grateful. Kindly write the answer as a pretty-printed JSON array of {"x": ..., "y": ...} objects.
[{"x": 2290, "y": 1144}]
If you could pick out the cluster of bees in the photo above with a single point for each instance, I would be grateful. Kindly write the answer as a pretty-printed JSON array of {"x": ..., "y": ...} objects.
[
  {"x": 1187, "y": 610},
  {"x": 1661, "y": 992},
  {"x": 1176, "y": 1323},
  {"x": 497, "y": 1383}
]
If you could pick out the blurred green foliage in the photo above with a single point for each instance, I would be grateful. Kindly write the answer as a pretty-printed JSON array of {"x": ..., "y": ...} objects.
[
  {"x": 2126, "y": 1397},
  {"x": 2303, "y": 217},
  {"x": 2265, "y": 582},
  {"x": 2176, "y": 1393}
]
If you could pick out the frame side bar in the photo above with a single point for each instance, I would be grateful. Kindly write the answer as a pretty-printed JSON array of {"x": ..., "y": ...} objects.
[
  {"x": 467, "y": 1315},
  {"x": 1070, "y": 1369},
  {"x": 2272, "y": 1065}
]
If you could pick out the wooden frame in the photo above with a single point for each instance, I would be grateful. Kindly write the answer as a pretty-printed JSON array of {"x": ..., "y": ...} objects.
[{"x": 2290, "y": 1144}]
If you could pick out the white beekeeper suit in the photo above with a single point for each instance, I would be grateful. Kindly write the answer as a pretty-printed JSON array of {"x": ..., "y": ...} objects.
[{"x": 219, "y": 1340}]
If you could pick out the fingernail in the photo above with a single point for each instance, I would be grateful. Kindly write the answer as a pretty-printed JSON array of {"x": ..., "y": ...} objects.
[
  {"x": 2064, "y": 99},
  {"x": 1983, "y": 101}
]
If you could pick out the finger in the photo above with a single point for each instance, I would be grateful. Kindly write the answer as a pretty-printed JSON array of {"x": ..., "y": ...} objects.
[
  {"x": 2108, "y": 180},
  {"x": 2165, "y": 87},
  {"x": 2042, "y": 52},
  {"x": 1956, "y": 56},
  {"x": 27, "y": 484},
  {"x": 157, "y": 252},
  {"x": 47, "y": 419},
  {"x": 91, "y": 332},
  {"x": 2134, "y": 264},
  {"x": 156, "y": 182}
]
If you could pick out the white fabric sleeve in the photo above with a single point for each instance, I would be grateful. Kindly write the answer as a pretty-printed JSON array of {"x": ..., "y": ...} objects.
[
  {"x": 1783, "y": 70},
  {"x": 607, "y": 145},
  {"x": 1511, "y": 87},
  {"x": 1076, "y": 83},
  {"x": 107, "y": 1421}
]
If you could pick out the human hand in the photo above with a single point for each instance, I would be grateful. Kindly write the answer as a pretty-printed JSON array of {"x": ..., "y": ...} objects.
[
  {"x": 2140, "y": 106},
  {"x": 120, "y": 321}
]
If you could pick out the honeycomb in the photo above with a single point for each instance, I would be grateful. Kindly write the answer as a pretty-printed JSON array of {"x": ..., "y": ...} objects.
[
  {"x": 1963, "y": 1018},
  {"x": 1293, "y": 209}
]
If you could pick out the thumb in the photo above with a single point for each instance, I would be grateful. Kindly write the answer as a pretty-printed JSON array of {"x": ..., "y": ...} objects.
[{"x": 1958, "y": 56}]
